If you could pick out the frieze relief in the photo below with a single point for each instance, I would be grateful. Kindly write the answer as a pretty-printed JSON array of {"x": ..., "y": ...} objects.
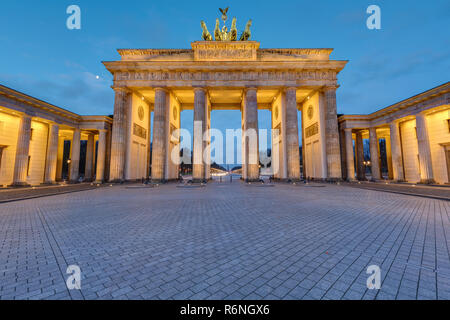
[
  {"x": 225, "y": 51},
  {"x": 227, "y": 75}
]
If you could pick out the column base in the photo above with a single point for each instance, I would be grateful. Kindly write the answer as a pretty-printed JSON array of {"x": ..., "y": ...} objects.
[
  {"x": 334, "y": 180},
  {"x": 49, "y": 183},
  {"x": 198, "y": 181},
  {"x": 19, "y": 185},
  {"x": 158, "y": 181},
  {"x": 427, "y": 181},
  {"x": 253, "y": 180}
]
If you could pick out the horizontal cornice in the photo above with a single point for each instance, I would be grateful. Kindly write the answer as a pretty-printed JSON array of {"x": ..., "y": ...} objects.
[
  {"x": 132, "y": 65},
  {"x": 401, "y": 105},
  {"x": 48, "y": 108}
]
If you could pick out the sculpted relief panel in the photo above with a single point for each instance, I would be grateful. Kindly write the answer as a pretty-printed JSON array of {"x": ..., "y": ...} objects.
[{"x": 225, "y": 51}]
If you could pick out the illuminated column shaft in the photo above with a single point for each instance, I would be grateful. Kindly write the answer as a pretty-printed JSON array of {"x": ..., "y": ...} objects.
[
  {"x": 374, "y": 154},
  {"x": 90, "y": 148},
  {"x": 423, "y": 141},
  {"x": 75, "y": 156},
  {"x": 159, "y": 135},
  {"x": 22, "y": 151},
  {"x": 349, "y": 155},
  {"x": 101, "y": 156},
  {"x": 305, "y": 173},
  {"x": 396, "y": 151},
  {"x": 52, "y": 154},
  {"x": 251, "y": 127},
  {"x": 359, "y": 147},
  {"x": 293, "y": 152},
  {"x": 389, "y": 158},
  {"x": 119, "y": 134},
  {"x": 60, "y": 158},
  {"x": 333, "y": 148},
  {"x": 149, "y": 142},
  {"x": 198, "y": 167}
]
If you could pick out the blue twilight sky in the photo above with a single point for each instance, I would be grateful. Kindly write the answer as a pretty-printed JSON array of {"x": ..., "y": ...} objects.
[{"x": 41, "y": 57}]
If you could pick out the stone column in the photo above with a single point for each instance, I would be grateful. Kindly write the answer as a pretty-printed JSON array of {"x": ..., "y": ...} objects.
[
  {"x": 332, "y": 135},
  {"x": 251, "y": 128},
  {"x": 207, "y": 137},
  {"x": 303, "y": 143},
  {"x": 359, "y": 147},
  {"x": 22, "y": 151},
  {"x": 423, "y": 141},
  {"x": 52, "y": 154},
  {"x": 108, "y": 154},
  {"x": 159, "y": 135},
  {"x": 349, "y": 155},
  {"x": 60, "y": 158},
  {"x": 343, "y": 154},
  {"x": 396, "y": 152},
  {"x": 90, "y": 157},
  {"x": 101, "y": 156},
  {"x": 293, "y": 152},
  {"x": 374, "y": 154},
  {"x": 149, "y": 142},
  {"x": 119, "y": 135},
  {"x": 198, "y": 166},
  {"x": 75, "y": 157},
  {"x": 389, "y": 157}
]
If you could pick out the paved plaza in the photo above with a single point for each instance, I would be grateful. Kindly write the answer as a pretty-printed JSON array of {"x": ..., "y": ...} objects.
[{"x": 225, "y": 241}]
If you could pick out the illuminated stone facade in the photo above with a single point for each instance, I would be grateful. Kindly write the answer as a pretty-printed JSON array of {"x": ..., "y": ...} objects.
[
  {"x": 225, "y": 75},
  {"x": 416, "y": 140},
  {"x": 32, "y": 142}
]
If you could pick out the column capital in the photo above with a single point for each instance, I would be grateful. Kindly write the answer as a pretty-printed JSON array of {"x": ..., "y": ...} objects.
[
  {"x": 330, "y": 88},
  {"x": 88, "y": 133},
  {"x": 395, "y": 122},
  {"x": 121, "y": 89},
  {"x": 251, "y": 88},
  {"x": 25, "y": 116},
  {"x": 348, "y": 130},
  {"x": 290, "y": 88},
  {"x": 422, "y": 114},
  {"x": 164, "y": 89},
  {"x": 200, "y": 88}
]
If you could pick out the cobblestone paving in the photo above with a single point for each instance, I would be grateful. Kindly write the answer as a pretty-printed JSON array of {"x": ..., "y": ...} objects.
[{"x": 225, "y": 242}]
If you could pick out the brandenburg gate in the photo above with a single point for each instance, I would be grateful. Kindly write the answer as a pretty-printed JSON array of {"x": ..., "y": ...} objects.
[{"x": 225, "y": 73}]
